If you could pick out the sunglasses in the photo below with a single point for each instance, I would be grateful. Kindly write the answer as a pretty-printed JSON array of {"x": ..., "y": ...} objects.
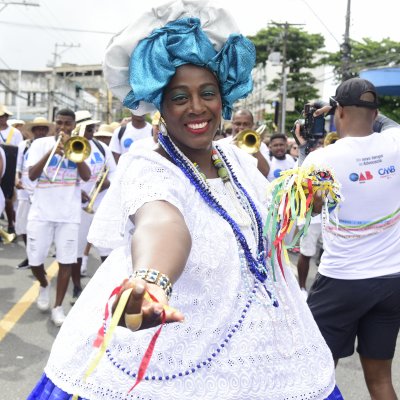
[{"x": 334, "y": 104}]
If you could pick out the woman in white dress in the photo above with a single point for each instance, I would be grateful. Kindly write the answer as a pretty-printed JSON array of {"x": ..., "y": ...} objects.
[{"x": 187, "y": 216}]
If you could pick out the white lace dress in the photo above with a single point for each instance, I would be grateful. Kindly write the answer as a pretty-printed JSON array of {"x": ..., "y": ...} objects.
[{"x": 227, "y": 347}]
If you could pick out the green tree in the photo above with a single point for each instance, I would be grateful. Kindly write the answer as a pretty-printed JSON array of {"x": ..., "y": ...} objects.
[
  {"x": 366, "y": 54},
  {"x": 303, "y": 51}
]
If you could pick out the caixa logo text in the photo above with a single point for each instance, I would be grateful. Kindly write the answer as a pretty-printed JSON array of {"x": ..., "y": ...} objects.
[
  {"x": 387, "y": 170},
  {"x": 361, "y": 177}
]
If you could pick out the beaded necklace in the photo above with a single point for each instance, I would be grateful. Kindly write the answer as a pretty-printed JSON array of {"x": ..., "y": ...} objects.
[
  {"x": 257, "y": 265},
  {"x": 244, "y": 218}
]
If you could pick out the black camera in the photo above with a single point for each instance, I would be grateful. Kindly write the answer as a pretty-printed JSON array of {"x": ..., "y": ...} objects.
[{"x": 311, "y": 128}]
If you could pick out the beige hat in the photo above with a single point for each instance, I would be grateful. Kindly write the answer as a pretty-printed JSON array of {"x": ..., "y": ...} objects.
[
  {"x": 84, "y": 116},
  {"x": 4, "y": 110},
  {"x": 40, "y": 121},
  {"x": 14, "y": 122},
  {"x": 114, "y": 125},
  {"x": 104, "y": 131}
]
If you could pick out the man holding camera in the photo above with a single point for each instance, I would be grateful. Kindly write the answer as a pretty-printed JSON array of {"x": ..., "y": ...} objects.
[{"x": 356, "y": 293}]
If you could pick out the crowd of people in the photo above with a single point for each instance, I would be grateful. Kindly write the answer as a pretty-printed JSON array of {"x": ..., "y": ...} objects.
[{"x": 175, "y": 207}]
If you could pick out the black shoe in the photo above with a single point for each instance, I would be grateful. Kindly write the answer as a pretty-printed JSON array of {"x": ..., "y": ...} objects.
[
  {"x": 75, "y": 294},
  {"x": 10, "y": 229},
  {"x": 23, "y": 264}
]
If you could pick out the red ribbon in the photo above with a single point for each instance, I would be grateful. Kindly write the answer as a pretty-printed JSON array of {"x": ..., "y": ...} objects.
[
  {"x": 100, "y": 334},
  {"x": 149, "y": 352}
]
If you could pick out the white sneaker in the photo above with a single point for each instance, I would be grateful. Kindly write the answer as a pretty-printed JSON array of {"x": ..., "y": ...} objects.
[
  {"x": 84, "y": 266},
  {"x": 304, "y": 293},
  {"x": 43, "y": 300},
  {"x": 58, "y": 316}
]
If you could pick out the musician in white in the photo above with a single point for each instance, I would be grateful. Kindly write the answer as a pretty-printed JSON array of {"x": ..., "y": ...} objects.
[
  {"x": 37, "y": 128},
  {"x": 102, "y": 164},
  {"x": 55, "y": 211}
]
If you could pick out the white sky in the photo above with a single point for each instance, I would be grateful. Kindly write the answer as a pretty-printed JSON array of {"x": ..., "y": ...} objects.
[{"x": 28, "y": 47}]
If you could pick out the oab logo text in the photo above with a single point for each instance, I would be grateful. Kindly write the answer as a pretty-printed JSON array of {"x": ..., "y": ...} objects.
[{"x": 361, "y": 177}]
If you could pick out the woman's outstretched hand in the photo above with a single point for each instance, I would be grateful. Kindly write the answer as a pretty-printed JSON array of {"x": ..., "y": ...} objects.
[{"x": 147, "y": 313}]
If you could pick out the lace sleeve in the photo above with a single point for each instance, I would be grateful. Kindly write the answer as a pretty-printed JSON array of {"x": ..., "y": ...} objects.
[{"x": 141, "y": 177}]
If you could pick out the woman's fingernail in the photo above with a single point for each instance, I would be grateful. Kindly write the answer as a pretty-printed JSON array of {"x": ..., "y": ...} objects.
[{"x": 139, "y": 289}]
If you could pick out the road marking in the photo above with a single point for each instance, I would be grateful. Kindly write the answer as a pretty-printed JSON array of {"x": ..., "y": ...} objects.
[{"x": 20, "y": 308}]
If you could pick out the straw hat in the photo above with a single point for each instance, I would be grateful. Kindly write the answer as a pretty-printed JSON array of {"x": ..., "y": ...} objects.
[
  {"x": 84, "y": 116},
  {"x": 40, "y": 121},
  {"x": 104, "y": 131},
  {"x": 114, "y": 125},
  {"x": 15, "y": 122},
  {"x": 5, "y": 110}
]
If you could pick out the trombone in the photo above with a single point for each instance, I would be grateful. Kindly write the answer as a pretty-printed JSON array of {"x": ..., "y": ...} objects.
[
  {"x": 97, "y": 187},
  {"x": 76, "y": 148}
]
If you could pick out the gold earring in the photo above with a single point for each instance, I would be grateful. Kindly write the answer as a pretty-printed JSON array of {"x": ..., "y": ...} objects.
[{"x": 163, "y": 127}]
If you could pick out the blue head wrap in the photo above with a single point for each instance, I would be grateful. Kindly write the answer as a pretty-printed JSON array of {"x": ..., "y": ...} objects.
[{"x": 156, "y": 58}]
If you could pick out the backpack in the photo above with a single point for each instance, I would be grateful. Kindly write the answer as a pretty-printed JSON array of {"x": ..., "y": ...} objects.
[
  {"x": 99, "y": 146},
  {"x": 121, "y": 132}
]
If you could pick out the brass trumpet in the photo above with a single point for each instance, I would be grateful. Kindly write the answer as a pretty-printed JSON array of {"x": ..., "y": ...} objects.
[
  {"x": 7, "y": 237},
  {"x": 76, "y": 148},
  {"x": 249, "y": 141},
  {"x": 97, "y": 188}
]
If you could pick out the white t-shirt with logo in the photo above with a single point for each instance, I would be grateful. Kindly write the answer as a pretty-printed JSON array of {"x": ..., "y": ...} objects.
[
  {"x": 58, "y": 201},
  {"x": 368, "y": 169},
  {"x": 276, "y": 166},
  {"x": 16, "y": 136},
  {"x": 131, "y": 134},
  {"x": 96, "y": 162},
  {"x": 22, "y": 168}
]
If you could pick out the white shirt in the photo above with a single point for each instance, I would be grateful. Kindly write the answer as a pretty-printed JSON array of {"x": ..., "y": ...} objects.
[
  {"x": 96, "y": 162},
  {"x": 58, "y": 201},
  {"x": 147, "y": 143},
  {"x": 2, "y": 199},
  {"x": 22, "y": 168},
  {"x": 368, "y": 169},
  {"x": 16, "y": 136},
  {"x": 130, "y": 135},
  {"x": 3, "y": 157},
  {"x": 276, "y": 166}
]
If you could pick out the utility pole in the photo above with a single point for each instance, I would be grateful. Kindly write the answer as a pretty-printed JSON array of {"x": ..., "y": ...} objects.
[
  {"x": 17, "y": 3},
  {"x": 345, "y": 47},
  {"x": 52, "y": 85},
  {"x": 283, "y": 94}
]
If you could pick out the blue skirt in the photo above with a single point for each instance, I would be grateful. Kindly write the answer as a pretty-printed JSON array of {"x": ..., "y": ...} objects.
[{"x": 47, "y": 390}]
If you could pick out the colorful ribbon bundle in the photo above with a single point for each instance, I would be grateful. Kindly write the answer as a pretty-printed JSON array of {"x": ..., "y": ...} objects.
[{"x": 292, "y": 200}]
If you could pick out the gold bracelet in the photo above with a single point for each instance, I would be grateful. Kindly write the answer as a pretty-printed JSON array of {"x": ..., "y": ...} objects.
[{"x": 155, "y": 277}]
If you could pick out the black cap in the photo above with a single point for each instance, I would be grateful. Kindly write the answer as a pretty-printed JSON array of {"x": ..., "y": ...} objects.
[{"x": 349, "y": 93}]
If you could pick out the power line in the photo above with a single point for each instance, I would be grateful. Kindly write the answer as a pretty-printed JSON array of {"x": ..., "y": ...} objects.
[
  {"x": 17, "y": 3},
  {"x": 320, "y": 20},
  {"x": 55, "y": 28}
]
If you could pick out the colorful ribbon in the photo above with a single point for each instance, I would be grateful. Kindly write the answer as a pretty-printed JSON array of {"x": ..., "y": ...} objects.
[{"x": 293, "y": 201}]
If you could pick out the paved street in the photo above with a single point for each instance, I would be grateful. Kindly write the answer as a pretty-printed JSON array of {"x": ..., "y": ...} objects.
[{"x": 25, "y": 348}]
